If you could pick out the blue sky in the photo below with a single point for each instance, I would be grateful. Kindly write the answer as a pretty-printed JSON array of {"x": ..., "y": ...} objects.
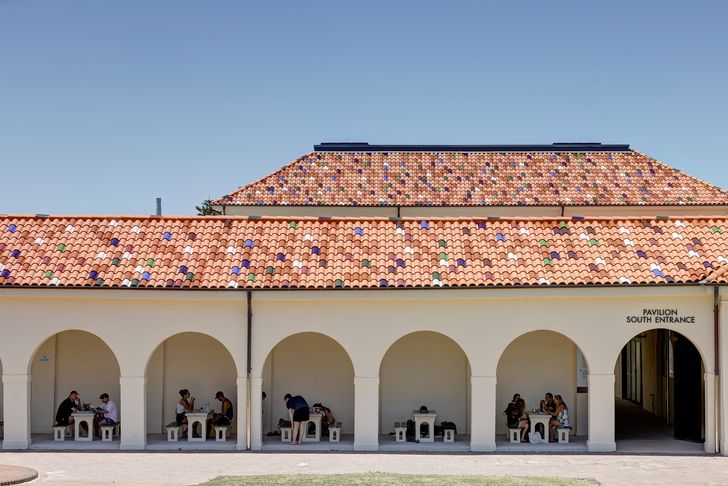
[{"x": 106, "y": 105}]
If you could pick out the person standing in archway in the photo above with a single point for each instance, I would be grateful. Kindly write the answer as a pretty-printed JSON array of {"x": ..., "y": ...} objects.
[{"x": 298, "y": 413}]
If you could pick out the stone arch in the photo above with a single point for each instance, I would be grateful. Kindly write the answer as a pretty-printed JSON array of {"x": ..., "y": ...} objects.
[
  {"x": 429, "y": 368},
  {"x": 194, "y": 360},
  {"x": 660, "y": 390},
  {"x": 311, "y": 364},
  {"x": 542, "y": 361},
  {"x": 36, "y": 344},
  {"x": 159, "y": 341},
  {"x": 70, "y": 359}
]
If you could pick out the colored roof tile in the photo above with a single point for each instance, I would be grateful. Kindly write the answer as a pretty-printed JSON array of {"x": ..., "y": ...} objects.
[
  {"x": 624, "y": 178},
  {"x": 274, "y": 253}
]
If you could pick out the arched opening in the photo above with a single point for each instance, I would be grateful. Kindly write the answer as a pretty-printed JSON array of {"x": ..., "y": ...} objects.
[
  {"x": 318, "y": 368},
  {"x": 204, "y": 366},
  {"x": 70, "y": 361},
  {"x": 533, "y": 365},
  {"x": 424, "y": 369},
  {"x": 659, "y": 394}
]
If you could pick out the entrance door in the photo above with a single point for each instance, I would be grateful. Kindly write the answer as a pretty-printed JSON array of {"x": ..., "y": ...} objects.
[{"x": 688, "y": 398}]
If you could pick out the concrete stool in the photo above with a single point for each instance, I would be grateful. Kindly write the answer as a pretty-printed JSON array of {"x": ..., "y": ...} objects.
[
  {"x": 221, "y": 433},
  {"x": 286, "y": 434},
  {"x": 400, "y": 431},
  {"x": 173, "y": 432},
  {"x": 335, "y": 432},
  {"x": 448, "y": 435},
  {"x": 514, "y": 435},
  {"x": 563, "y": 433},
  {"x": 108, "y": 432},
  {"x": 59, "y": 432}
]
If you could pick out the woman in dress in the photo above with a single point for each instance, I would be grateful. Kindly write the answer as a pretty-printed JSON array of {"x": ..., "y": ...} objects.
[{"x": 560, "y": 417}]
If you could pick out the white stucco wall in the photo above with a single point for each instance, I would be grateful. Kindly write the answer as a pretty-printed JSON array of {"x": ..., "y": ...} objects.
[
  {"x": 482, "y": 322},
  {"x": 315, "y": 367},
  {"x": 424, "y": 368},
  {"x": 534, "y": 364}
]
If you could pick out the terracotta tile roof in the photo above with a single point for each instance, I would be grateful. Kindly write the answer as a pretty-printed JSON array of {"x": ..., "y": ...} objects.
[
  {"x": 235, "y": 252},
  {"x": 476, "y": 179}
]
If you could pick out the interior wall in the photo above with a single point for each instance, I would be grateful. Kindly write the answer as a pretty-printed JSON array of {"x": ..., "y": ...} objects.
[
  {"x": 532, "y": 365},
  {"x": 70, "y": 360},
  {"x": 424, "y": 368},
  {"x": 315, "y": 367},
  {"x": 193, "y": 361}
]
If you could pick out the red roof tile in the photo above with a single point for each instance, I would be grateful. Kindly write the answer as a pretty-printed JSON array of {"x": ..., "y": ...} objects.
[
  {"x": 476, "y": 179},
  {"x": 234, "y": 252}
]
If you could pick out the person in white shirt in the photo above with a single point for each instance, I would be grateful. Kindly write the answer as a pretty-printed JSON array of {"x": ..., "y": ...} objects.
[{"x": 106, "y": 413}]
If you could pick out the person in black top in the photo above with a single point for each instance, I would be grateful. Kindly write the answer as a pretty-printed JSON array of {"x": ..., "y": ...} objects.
[
  {"x": 66, "y": 408},
  {"x": 225, "y": 417},
  {"x": 298, "y": 413},
  {"x": 512, "y": 412}
]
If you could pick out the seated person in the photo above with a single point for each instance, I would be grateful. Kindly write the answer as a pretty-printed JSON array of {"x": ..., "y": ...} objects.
[
  {"x": 327, "y": 419},
  {"x": 523, "y": 421},
  {"x": 560, "y": 418},
  {"x": 185, "y": 404},
  {"x": 225, "y": 417},
  {"x": 66, "y": 408},
  {"x": 547, "y": 404},
  {"x": 106, "y": 413},
  {"x": 512, "y": 413}
]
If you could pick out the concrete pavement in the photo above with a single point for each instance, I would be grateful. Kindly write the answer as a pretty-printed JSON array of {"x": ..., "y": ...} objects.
[{"x": 80, "y": 469}]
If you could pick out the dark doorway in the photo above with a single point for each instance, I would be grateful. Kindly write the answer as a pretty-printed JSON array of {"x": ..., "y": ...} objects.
[{"x": 688, "y": 390}]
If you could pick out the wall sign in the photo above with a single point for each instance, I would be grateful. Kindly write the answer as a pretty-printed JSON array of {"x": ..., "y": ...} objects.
[{"x": 660, "y": 316}]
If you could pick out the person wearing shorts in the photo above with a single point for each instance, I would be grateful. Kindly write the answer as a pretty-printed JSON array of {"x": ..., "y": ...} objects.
[{"x": 298, "y": 413}]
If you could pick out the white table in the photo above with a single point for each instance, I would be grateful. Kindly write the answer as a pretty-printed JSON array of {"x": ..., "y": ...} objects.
[
  {"x": 540, "y": 418},
  {"x": 79, "y": 417},
  {"x": 201, "y": 418},
  {"x": 316, "y": 419},
  {"x": 424, "y": 418}
]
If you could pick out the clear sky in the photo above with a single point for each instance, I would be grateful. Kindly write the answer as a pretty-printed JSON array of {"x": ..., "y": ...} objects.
[{"x": 106, "y": 105}]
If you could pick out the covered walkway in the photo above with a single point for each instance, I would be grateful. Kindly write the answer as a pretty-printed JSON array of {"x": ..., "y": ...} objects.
[{"x": 639, "y": 431}]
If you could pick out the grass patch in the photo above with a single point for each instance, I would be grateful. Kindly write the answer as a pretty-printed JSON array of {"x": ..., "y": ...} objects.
[{"x": 386, "y": 479}]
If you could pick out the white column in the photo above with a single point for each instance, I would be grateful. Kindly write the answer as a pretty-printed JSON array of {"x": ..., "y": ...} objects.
[
  {"x": 133, "y": 408},
  {"x": 482, "y": 411},
  {"x": 710, "y": 412},
  {"x": 16, "y": 415},
  {"x": 366, "y": 413},
  {"x": 723, "y": 379},
  {"x": 601, "y": 413},
  {"x": 242, "y": 414},
  {"x": 256, "y": 413}
]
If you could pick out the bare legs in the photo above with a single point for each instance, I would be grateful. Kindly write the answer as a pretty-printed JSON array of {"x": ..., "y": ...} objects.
[{"x": 299, "y": 428}]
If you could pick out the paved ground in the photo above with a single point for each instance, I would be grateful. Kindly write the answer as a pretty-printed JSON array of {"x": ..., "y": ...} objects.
[{"x": 91, "y": 468}]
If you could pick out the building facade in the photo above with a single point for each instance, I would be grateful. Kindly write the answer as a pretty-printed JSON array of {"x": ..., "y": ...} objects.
[{"x": 376, "y": 279}]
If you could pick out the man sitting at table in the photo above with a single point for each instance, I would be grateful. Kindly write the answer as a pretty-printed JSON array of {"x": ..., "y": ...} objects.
[
  {"x": 66, "y": 408},
  {"x": 225, "y": 417},
  {"x": 106, "y": 413}
]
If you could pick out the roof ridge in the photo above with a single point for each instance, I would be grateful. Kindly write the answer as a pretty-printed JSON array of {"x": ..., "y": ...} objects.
[
  {"x": 260, "y": 179},
  {"x": 698, "y": 179},
  {"x": 365, "y": 218}
]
